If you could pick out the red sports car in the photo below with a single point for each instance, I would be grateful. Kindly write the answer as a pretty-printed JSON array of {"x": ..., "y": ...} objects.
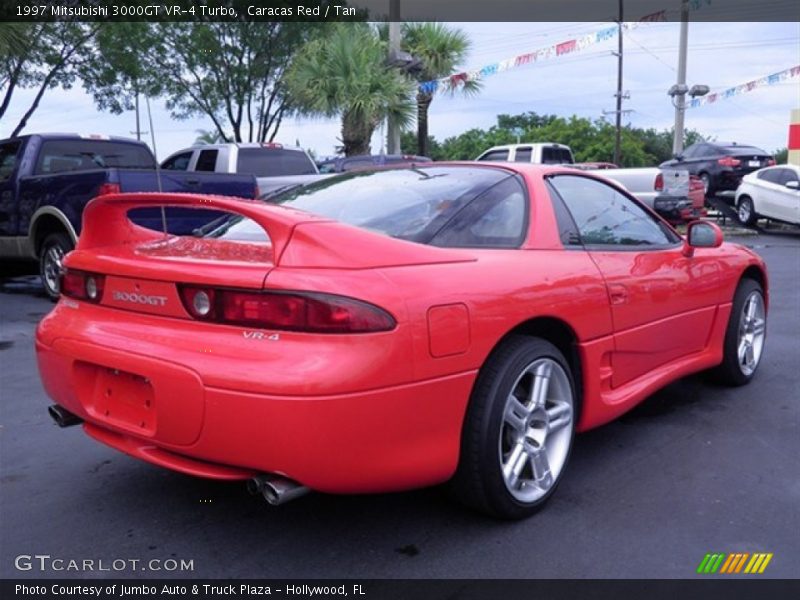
[{"x": 393, "y": 329}]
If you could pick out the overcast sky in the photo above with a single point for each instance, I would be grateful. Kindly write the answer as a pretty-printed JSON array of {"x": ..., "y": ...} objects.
[{"x": 721, "y": 55}]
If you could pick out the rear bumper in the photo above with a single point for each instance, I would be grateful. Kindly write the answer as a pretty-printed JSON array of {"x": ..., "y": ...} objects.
[
  {"x": 677, "y": 209},
  {"x": 393, "y": 438}
]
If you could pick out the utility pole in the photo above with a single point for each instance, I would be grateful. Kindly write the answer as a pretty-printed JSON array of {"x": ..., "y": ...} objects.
[
  {"x": 138, "y": 126},
  {"x": 679, "y": 99},
  {"x": 617, "y": 138},
  {"x": 393, "y": 128}
]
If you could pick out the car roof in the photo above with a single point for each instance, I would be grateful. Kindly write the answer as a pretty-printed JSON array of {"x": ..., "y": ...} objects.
[{"x": 526, "y": 145}]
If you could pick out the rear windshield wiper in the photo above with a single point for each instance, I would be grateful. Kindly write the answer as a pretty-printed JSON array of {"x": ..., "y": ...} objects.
[
  {"x": 211, "y": 225},
  {"x": 279, "y": 190}
]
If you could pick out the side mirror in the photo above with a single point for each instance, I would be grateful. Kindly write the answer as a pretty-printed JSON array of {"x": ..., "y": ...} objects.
[
  {"x": 679, "y": 157},
  {"x": 702, "y": 234},
  {"x": 792, "y": 185}
]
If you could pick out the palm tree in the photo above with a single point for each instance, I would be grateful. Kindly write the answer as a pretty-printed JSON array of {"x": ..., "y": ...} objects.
[
  {"x": 344, "y": 73},
  {"x": 209, "y": 137},
  {"x": 439, "y": 49}
]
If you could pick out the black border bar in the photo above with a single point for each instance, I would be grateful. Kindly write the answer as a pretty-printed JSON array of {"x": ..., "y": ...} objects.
[{"x": 410, "y": 10}]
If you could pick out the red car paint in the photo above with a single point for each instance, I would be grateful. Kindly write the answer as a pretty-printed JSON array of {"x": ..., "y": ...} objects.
[{"x": 358, "y": 412}]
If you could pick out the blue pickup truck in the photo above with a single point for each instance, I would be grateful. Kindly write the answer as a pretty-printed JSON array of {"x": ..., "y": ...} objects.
[{"x": 46, "y": 181}]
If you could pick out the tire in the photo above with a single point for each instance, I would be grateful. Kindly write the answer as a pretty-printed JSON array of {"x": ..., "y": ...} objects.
[
  {"x": 51, "y": 255},
  {"x": 746, "y": 211},
  {"x": 514, "y": 453},
  {"x": 744, "y": 336}
]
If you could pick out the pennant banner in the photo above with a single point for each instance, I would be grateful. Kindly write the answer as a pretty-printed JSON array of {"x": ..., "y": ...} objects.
[
  {"x": 546, "y": 53},
  {"x": 746, "y": 87}
]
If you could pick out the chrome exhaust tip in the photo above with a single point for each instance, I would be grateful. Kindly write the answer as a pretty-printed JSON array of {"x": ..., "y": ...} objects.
[
  {"x": 276, "y": 489},
  {"x": 62, "y": 416}
]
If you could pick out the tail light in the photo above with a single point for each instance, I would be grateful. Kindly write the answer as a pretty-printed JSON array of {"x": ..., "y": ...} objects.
[
  {"x": 729, "y": 161},
  {"x": 308, "y": 312},
  {"x": 659, "y": 184},
  {"x": 771, "y": 162},
  {"x": 83, "y": 285},
  {"x": 108, "y": 188},
  {"x": 271, "y": 145}
]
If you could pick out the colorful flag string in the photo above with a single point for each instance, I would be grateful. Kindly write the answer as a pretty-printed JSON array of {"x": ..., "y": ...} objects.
[
  {"x": 547, "y": 52},
  {"x": 743, "y": 88}
]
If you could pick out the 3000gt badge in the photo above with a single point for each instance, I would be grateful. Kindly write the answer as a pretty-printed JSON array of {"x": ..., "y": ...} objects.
[{"x": 140, "y": 298}]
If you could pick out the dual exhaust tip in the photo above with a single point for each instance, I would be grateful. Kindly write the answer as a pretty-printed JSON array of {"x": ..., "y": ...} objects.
[{"x": 275, "y": 489}]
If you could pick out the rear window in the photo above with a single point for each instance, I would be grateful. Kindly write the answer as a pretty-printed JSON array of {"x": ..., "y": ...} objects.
[
  {"x": 556, "y": 156},
  {"x": 270, "y": 162},
  {"x": 415, "y": 204},
  {"x": 59, "y": 156},
  {"x": 207, "y": 161},
  {"x": 743, "y": 150},
  {"x": 495, "y": 155}
]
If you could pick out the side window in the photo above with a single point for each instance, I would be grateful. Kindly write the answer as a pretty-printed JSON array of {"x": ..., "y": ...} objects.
[
  {"x": 207, "y": 161},
  {"x": 496, "y": 155},
  {"x": 8, "y": 159},
  {"x": 523, "y": 155},
  {"x": 495, "y": 219},
  {"x": 691, "y": 151},
  {"x": 770, "y": 175},
  {"x": 787, "y": 175},
  {"x": 179, "y": 162},
  {"x": 606, "y": 217}
]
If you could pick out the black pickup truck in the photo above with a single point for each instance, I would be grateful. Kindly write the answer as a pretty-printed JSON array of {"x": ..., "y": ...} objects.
[{"x": 46, "y": 181}]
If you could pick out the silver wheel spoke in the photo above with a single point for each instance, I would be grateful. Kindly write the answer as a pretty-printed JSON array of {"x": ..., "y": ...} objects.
[
  {"x": 742, "y": 350},
  {"x": 541, "y": 385},
  {"x": 749, "y": 356},
  {"x": 516, "y": 414},
  {"x": 541, "y": 469},
  {"x": 516, "y": 462},
  {"x": 759, "y": 326},
  {"x": 750, "y": 311},
  {"x": 559, "y": 415}
]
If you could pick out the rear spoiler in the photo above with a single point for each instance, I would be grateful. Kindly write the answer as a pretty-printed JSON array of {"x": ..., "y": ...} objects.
[{"x": 106, "y": 222}]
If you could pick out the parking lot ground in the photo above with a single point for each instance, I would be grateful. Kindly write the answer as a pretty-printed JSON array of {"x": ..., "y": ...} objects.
[{"x": 694, "y": 469}]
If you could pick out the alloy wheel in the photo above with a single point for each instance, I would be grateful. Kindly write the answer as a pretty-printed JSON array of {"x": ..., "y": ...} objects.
[
  {"x": 536, "y": 431},
  {"x": 752, "y": 330}
]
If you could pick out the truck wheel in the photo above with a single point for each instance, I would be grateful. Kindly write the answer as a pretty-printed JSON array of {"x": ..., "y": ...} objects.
[{"x": 51, "y": 257}]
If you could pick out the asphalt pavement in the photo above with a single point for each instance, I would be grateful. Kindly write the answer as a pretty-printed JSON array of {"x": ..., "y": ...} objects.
[{"x": 694, "y": 469}]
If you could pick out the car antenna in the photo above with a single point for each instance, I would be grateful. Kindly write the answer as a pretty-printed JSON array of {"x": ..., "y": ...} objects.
[{"x": 158, "y": 166}]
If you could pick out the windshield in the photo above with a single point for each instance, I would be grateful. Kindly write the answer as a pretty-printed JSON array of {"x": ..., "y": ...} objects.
[{"x": 410, "y": 203}]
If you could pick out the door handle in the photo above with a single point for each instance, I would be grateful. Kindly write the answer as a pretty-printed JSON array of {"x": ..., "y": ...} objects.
[{"x": 617, "y": 293}]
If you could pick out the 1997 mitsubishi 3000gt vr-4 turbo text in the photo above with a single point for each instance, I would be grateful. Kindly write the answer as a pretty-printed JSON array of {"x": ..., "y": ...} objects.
[{"x": 392, "y": 329}]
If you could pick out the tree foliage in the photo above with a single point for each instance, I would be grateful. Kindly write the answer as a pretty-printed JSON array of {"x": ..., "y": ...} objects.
[
  {"x": 231, "y": 72},
  {"x": 439, "y": 49},
  {"x": 591, "y": 141},
  {"x": 40, "y": 56},
  {"x": 343, "y": 73}
]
